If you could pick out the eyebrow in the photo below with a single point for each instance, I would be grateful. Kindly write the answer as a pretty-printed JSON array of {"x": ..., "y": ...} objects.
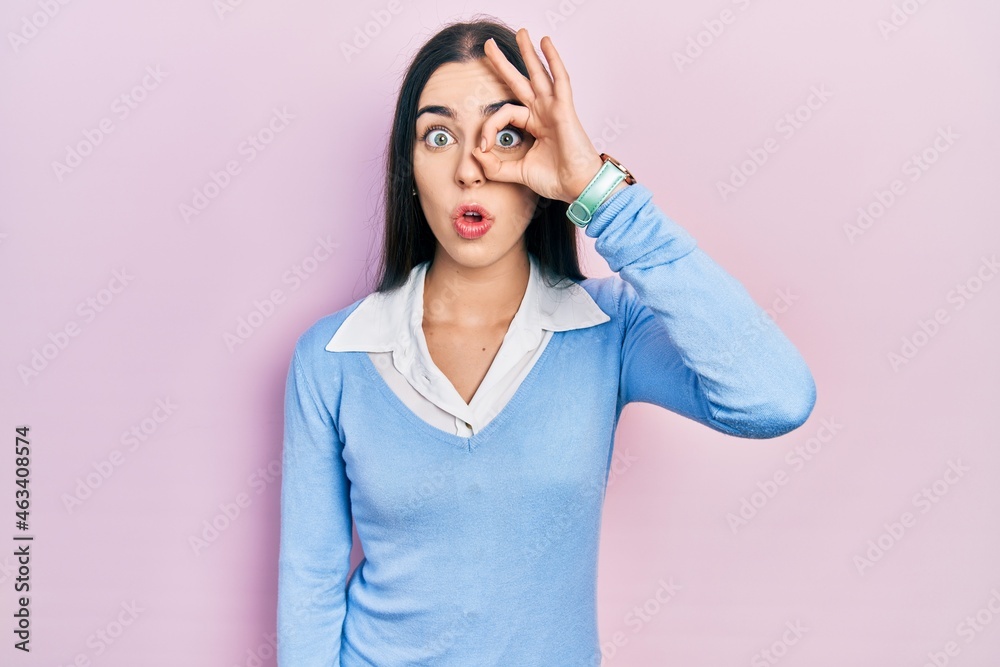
[{"x": 486, "y": 109}]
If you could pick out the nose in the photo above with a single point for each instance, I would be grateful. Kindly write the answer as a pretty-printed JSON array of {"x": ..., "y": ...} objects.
[{"x": 469, "y": 171}]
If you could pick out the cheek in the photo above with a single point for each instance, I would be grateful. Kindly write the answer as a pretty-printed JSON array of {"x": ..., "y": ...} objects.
[
  {"x": 420, "y": 157},
  {"x": 523, "y": 206},
  {"x": 425, "y": 168},
  {"x": 417, "y": 161}
]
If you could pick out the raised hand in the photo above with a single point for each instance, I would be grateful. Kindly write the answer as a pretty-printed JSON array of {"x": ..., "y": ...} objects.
[{"x": 562, "y": 160}]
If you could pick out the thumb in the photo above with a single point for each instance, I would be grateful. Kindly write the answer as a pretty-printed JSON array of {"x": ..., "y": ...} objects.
[{"x": 496, "y": 169}]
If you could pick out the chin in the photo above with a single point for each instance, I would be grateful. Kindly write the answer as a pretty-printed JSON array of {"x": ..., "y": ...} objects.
[{"x": 473, "y": 255}]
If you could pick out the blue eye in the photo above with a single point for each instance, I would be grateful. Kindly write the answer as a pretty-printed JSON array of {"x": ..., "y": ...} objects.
[
  {"x": 509, "y": 137},
  {"x": 434, "y": 129},
  {"x": 508, "y": 131}
]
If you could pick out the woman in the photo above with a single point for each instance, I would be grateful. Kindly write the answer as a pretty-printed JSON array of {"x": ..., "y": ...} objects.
[{"x": 464, "y": 413}]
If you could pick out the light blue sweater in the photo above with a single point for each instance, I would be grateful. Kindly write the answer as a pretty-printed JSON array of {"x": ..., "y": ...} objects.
[{"x": 482, "y": 550}]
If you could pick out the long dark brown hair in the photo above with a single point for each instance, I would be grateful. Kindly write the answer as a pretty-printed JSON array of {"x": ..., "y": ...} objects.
[{"x": 408, "y": 239}]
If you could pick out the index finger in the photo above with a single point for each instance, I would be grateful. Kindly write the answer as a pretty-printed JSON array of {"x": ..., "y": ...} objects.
[{"x": 518, "y": 83}]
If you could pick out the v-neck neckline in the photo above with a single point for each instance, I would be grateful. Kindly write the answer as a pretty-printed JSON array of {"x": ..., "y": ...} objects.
[{"x": 469, "y": 442}]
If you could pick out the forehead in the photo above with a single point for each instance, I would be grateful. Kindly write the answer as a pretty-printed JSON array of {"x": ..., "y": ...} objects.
[{"x": 464, "y": 87}]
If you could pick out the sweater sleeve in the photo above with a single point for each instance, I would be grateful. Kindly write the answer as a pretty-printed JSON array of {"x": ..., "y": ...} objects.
[
  {"x": 315, "y": 542},
  {"x": 694, "y": 341}
]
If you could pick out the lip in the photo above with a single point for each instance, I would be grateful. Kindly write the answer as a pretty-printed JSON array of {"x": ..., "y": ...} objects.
[{"x": 467, "y": 229}]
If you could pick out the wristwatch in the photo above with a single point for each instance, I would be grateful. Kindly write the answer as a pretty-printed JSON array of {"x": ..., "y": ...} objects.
[{"x": 612, "y": 173}]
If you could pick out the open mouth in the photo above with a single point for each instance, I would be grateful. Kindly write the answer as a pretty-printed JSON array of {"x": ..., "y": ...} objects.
[{"x": 472, "y": 224}]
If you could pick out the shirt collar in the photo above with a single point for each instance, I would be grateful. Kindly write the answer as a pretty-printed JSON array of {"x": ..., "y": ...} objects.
[{"x": 383, "y": 322}]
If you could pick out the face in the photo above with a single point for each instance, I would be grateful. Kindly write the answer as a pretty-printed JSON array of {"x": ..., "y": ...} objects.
[{"x": 448, "y": 174}]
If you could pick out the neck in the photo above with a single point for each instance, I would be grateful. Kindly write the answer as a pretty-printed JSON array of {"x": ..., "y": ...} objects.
[{"x": 466, "y": 296}]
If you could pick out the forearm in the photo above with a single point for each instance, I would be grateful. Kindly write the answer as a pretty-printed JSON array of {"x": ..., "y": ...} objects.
[{"x": 744, "y": 369}]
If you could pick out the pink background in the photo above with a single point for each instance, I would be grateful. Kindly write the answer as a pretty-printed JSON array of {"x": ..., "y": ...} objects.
[{"x": 848, "y": 303}]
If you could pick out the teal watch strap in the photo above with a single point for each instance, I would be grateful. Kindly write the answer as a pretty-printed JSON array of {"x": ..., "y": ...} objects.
[{"x": 607, "y": 179}]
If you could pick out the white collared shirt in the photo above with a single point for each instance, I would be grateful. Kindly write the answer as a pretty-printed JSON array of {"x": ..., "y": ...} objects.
[{"x": 389, "y": 327}]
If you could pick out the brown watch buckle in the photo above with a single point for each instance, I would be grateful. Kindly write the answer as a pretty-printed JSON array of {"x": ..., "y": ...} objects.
[{"x": 629, "y": 178}]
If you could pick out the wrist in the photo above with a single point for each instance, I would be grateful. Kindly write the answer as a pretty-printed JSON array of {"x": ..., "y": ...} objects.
[
  {"x": 584, "y": 177},
  {"x": 604, "y": 183},
  {"x": 618, "y": 188}
]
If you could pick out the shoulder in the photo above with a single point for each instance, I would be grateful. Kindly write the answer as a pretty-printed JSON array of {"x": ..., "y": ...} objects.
[
  {"x": 310, "y": 346},
  {"x": 611, "y": 293}
]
